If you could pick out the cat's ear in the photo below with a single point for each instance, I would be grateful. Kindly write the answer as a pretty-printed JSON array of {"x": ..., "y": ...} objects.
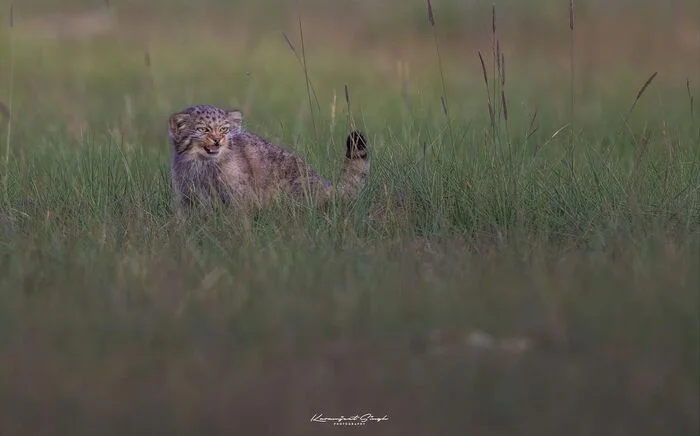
[
  {"x": 176, "y": 122},
  {"x": 236, "y": 118}
]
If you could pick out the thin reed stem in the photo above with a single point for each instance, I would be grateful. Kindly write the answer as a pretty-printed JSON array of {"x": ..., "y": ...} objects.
[
  {"x": 350, "y": 119},
  {"x": 301, "y": 64},
  {"x": 572, "y": 115},
  {"x": 445, "y": 107},
  {"x": 492, "y": 116},
  {"x": 306, "y": 77},
  {"x": 495, "y": 59},
  {"x": 502, "y": 79},
  {"x": 9, "y": 107},
  {"x": 504, "y": 104},
  {"x": 690, "y": 98}
]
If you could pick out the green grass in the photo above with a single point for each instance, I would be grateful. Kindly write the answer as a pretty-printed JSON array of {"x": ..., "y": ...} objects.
[{"x": 118, "y": 318}]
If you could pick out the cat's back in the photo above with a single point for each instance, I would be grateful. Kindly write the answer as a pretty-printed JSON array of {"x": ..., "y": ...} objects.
[{"x": 273, "y": 166}]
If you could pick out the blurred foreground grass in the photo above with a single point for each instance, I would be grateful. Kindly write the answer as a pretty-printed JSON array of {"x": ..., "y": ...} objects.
[{"x": 115, "y": 318}]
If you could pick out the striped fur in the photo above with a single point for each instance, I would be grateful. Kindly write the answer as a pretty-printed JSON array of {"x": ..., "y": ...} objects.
[{"x": 214, "y": 157}]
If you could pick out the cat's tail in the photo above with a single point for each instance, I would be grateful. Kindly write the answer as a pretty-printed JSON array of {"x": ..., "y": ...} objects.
[{"x": 356, "y": 166}]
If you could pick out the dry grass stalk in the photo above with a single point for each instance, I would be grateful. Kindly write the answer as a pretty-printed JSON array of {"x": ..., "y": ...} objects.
[
  {"x": 641, "y": 91},
  {"x": 4, "y": 111},
  {"x": 497, "y": 76},
  {"x": 333, "y": 106},
  {"x": 151, "y": 78},
  {"x": 488, "y": 95},
  {"x": 571, "y": 88},
  {"x": 493, "y": 18},
  {"x": 532, "y": 128},
  {"x": 291, "y": 46},
  {"x": 443, "y": 98},
  {"x": 690, "y": 97},
  {"x": 302, "y": 63},
  {"x": 498, "y": 57},
  {"x": 494, "y": 51},
  {"x": 571, "y": 14},
  {"x": 503, "y": 69},
  {"x": 431, "y": 17},
  {"x": 8, "y": 109},
  {"x": 444, "y": 105},
  {"x": 306, "y": 77},
  {"x": 351, "y": 119},
  {"x": 646, "y": 84},
  {"x": 503, "y": 87}
]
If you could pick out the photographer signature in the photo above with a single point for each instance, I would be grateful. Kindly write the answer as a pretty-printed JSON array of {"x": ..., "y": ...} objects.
[{"x": 348, "y": 420}]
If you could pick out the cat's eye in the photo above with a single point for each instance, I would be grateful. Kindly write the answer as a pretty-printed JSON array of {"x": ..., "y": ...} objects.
[
  {"x": 201, "y": 129},
  {"x": 224, "y": 129}
]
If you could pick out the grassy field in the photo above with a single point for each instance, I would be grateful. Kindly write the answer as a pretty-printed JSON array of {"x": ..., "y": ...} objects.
[{"x": 531, "y": 272}]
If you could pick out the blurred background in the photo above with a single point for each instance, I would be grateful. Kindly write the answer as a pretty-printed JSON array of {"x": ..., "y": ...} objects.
[
  {"x": 549, "y": 306},
  {"x": 172, "y": 52}
]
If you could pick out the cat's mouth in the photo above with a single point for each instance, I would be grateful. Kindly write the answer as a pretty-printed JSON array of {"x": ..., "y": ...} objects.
[{"x": 212, "y": 150}]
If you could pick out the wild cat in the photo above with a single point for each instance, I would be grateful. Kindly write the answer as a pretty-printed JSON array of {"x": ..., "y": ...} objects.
[{"x": 213, "y": 156}]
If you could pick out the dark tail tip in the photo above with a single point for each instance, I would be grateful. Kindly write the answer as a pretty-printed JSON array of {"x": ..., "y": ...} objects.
[{"x": 356, "y": 145}]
